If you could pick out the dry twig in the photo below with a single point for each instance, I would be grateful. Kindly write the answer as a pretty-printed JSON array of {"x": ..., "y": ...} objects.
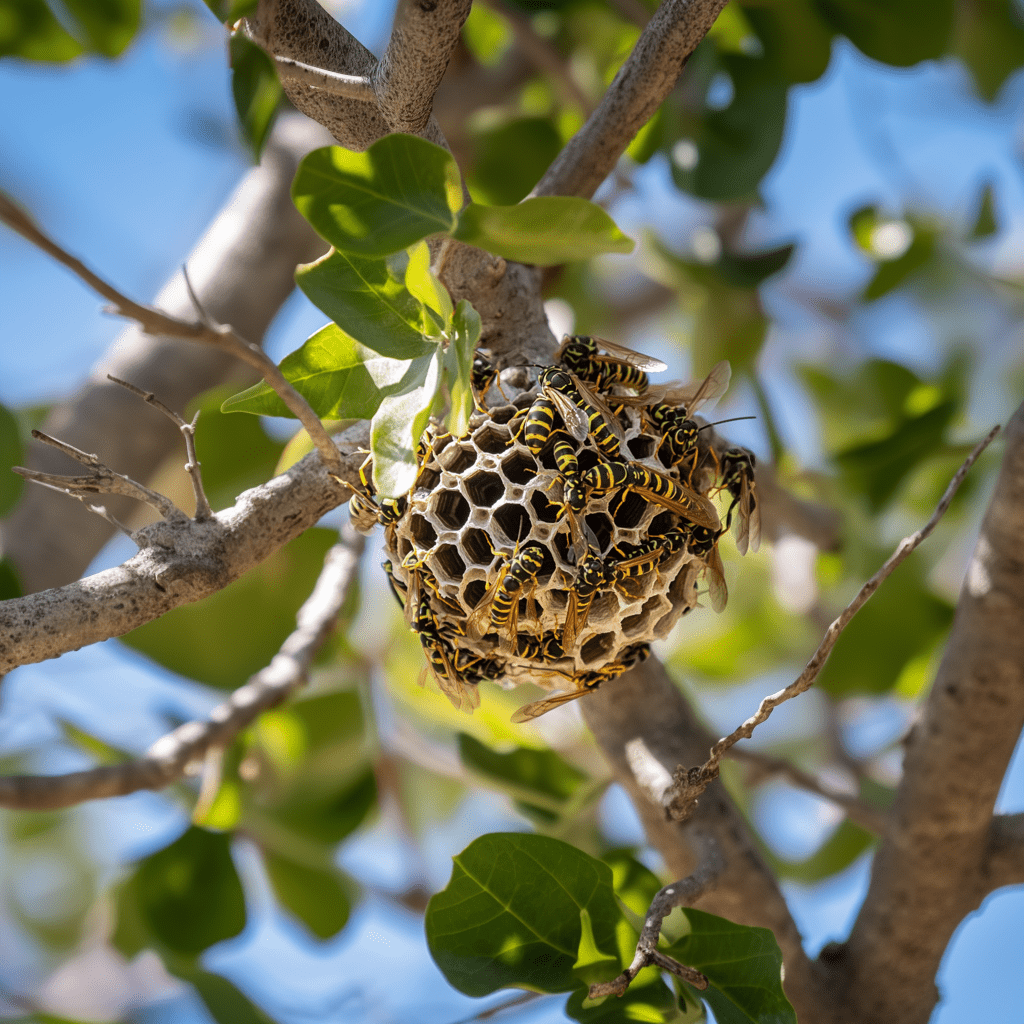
[
  {"x": 689, "y": 784},
  {"x": 173, "y": 755}
]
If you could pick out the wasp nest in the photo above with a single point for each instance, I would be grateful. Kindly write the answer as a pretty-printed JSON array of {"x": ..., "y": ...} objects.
[{"x": 566, "y": 530}]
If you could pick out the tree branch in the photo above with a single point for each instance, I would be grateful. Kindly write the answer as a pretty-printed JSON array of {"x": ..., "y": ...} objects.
[
  {"x": 689, "y": 784},
  {"x": 1004, "y": 851},
  {"x": 179, "y": 563},
  {"x": 932, "y": 867},
  {"x": 243, "y": 271},
  {"x": 173, "y": 755},
  {"x": 683, "y": 893},
  {"x": 643, "y": 81},
  {"x": 205, "y": 330}
]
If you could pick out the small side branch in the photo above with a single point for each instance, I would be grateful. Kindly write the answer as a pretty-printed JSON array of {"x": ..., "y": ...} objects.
[
  {"x": 683, "y": 893},
  {"x": 154, "y": 322},
  {"x": 349, "y": 87},
  {"x": 689, "y": 784},
  {"x": 174, "y": 755}
]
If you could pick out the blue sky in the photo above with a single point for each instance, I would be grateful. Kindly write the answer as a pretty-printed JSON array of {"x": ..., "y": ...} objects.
[{"x": 127, "y": 162}]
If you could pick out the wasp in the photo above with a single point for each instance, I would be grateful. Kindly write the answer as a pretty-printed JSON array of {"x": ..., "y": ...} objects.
[
  {"x": 585, "y": 683},
  {"x": 441, "y": 659},
  {"x": 547, "y": 648},
  {"x": 398, "y": 587},
  {"x": 482, "y": 375},
  {"x": 673, "y": 495},
  {"x": 590, "y": 576},
  {"x": 738, "y": 480},
  {"x": 703, "y": 543},
  {"x": 520, "y": 571},
  {"x": 621, "y": 366},
  {"x": 637, "y": 560},
  {"x": 414, "y": 565},
  {"x": 366, "y": 513}
]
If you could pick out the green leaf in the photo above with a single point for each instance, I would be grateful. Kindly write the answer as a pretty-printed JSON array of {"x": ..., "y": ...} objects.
[
  {"x": 400, "y": 190},
  {"x": 398, "y": 425},
  {"x": 188, "y": 894},
  {"x": 12, "y": 453},
  {"x": 226, "y": 1003},
  {"x": 327, "y": 817},
  {"x": 743, "y": 966},
  {"x": 510, "y": 914},
  {"x": 592, "y": 964},
  {"x": 268, "y": 596},
  {"x": 425, "y": 286},
  {"x": 109, "y": 25},
  {"x": 728, "y": 151},
  {"x": 316, "y": 896},
  {"x": 796, "y": 39},
  {"x": 511, "y": 158},
  {"x": 230, "y": 11},
  {"x": 256, "y": 90},
  {"x": 846, "y": 843},
  {"x": 340, "y": 379},
  {"x": 369, "y": 301},
  {"x": 458, "y": 366},
  {"x": 634, "y": 884},
  {"x": 544, "y": 231},
  {"x": 985, "y": 224},
  {"x": 537, "y": 776},
  {"x": 10, "y": 584},
  {"x": 892, "y": 273},
  {"x": 897, "y": 32},
  {"x": 28, "y": 29},
  {"x": 990, "y": 41}
]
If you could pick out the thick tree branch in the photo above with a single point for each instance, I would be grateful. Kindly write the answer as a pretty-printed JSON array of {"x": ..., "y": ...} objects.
[
  {"x": 180, "y": 563},
  {"x": 1004, "y": 851},
  {"x": 643, "y": 81},
  {"x": 690, "y": 783},
  {"x": 931, "y": 868},
  {"x": 173, "y": 755},
  {"x": 242, "y": 270},
  {"x": 157, "y": 323}
]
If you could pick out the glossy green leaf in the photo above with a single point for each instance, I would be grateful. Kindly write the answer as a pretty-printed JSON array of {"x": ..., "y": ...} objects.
[
  {"x": 545, "y": 231},
  {"x": 230, "y": 11},
  {"x": 12, "y": 453},
  {"x": 188, "y": 894},
  {"x": 458, "y": 366},
  {"x": 728, "y": 151},
  {"x": 743, "y": 966},
  {"x": 648, "y": 999},
  {"x": 634, "y": 883},
  {"x": 510, "y": 158},
  {"x": 316, "y": 896},
  {"x": 425, "y": 286},
  {"x": 902, "y": 619},
  {"x": 370, "y": 301},
  {"x": 109, "y": 25},
  {"x": 371, "y": 204},
  {"x": 340, "y": 379},
  {"x": 256, "y": 90},
  {"x": 326, "y": 816},
  {"x": 28, "y": 29},
  {"x": 398, "y": 425},
  {"x": 234, "y": 633},
  {"x": 990, "y": 41},
  {"x": 897, "y": 32},
  {"x": 225, "y": 1002},
  {"x": 537, "y": 776},
  {"x": 510, "y": 914}
]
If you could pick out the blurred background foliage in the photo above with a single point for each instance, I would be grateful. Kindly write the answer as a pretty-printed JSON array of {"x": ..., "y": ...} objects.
[{"x": 869, "y": 383}]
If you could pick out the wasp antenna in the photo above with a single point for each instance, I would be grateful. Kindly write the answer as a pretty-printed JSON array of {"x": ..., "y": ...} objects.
[{"x": 732, "y": 419}]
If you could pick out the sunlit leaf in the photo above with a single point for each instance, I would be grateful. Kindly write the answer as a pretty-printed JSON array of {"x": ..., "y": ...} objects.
[
  {"x": 256, "y": 90},
  {"x": 510, "y": 914},
  {"x": 224, "y": 649},
  {"x": 28, "y": 29},
  {"x": 425, "y": 286},
  {"x": 369, "y": 301},
  {"x": 188, "y": 894},
  {"x": 316, "y": 896},
  {"x": 398, "y": 191},
  {"x": 109, "y": 25},
  {"x": 230, "y": 11},
  {"x": 458, "y": 365},
  {"x": 545, "y": 231},
  {"x": 743, "y": 966}
]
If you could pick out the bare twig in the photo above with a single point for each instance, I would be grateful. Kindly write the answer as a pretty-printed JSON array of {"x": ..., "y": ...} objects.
[
  {"x": 857, "y": 811},
  {"x": 101, "y": 480},
  {"x": 173, "y": 755},
  {"x": 349, "y": 87},
  {"x": 508, "y": 1004},
  {"x": 689, "y": 784},
  {"x": 188, "y": 431},
  {"x": 154, "y": 322},
  {"x": 643, "y": 81},
  {"x": 683, "y": 893}
]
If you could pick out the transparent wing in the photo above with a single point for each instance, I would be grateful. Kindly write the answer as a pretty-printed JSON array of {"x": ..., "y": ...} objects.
[
  {"x": 690, "y": 505},
  {"x": 634, "y": 358},
  {"x": 541, "y": 707},
  {"x": 576, "y": 421},
  {"x": 594, "y": 399}
]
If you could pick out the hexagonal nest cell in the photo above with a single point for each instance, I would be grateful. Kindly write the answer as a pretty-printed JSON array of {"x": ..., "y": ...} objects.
[{"x": 491, "y": 553}]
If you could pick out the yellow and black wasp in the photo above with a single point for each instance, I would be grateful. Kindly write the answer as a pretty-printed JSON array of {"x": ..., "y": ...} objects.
[
  {"x": 546, "y": 648},
  {"x": 702, "y": 542},
  {"x": 441, "y": 659},
  {"x": 589, "y": 578},
  {"x": 419, "y": 574},
  {"x": 365, "y": 513},
  {"x": 482, "y": 375},
  {"x": 519, "y": 573},
  {"x": 738, "y": 480},
  {"x": 630, "y": 561},
  {"x": 674, "y": 496},
  {"x": 584, "y": 684},
  {"x": 581, "y": 354}
]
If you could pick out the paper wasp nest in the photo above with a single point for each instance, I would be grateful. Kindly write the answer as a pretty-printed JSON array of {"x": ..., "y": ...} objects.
[{"x": 482, "y": 498}]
